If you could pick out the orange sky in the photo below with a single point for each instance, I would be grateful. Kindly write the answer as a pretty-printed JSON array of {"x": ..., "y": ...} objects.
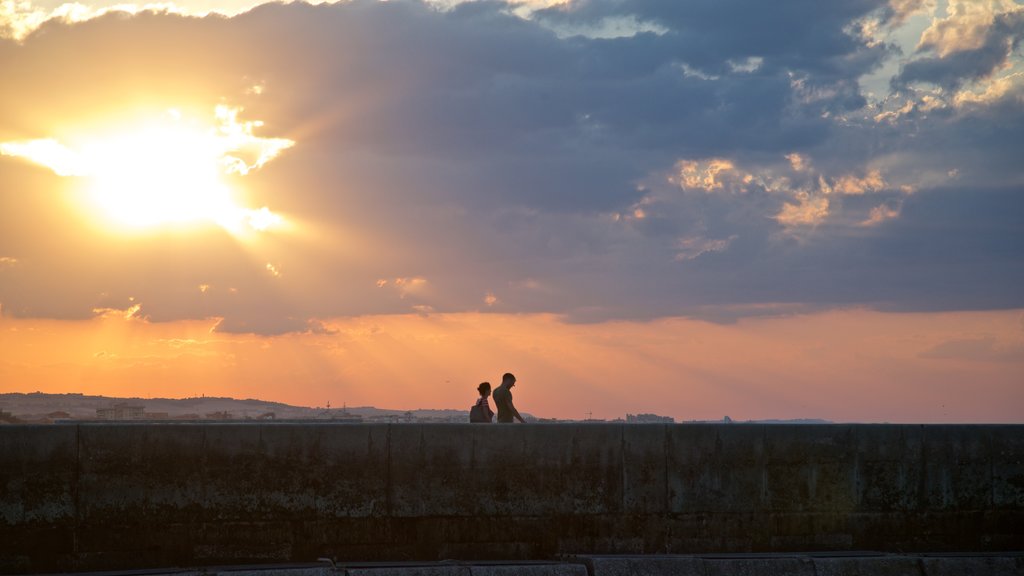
[{"x": 842, "y": 366}]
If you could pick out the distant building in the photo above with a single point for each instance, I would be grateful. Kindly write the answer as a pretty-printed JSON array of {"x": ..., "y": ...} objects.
[
  {"x": 121, "y": 411},
  {"x": 222, "y": 415},
  {"x": 649, "y": 419},
  {"x": 335, "y": 415}
]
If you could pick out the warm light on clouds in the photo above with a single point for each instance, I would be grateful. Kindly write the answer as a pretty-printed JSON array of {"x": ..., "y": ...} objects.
[
  {"x": 807, "y": 211},
  {"x": 704, "y": 174},
  {"x": 993, "y": 91},
  {"x": 880, "y": 214},
  {"x": 263, "y": 219},
  {"x": 238, "y": 148},
  {"x": 965, "y": 25},
  {"x": 854, "y": 185},
  {"x": 797, "y": 161},
  {"x": 490, "y": 299},
  {"x": 127, "y": 313},
  {"x": 801, "y": 193},
  {"x": 405, "y": 286},
  {"x": 19, "y": 18}
]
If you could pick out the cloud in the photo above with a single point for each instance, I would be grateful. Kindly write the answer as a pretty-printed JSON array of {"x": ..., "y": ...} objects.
[
  {"x": 807, "y": 211},
  {"x": 405, "y": 286},
  {"x": 695, "y": 246},
  {"x": 47, "y": 152},
  {"x": 982, "y": 349},
  {"x": 1011, "y": 85},
  {"x": 132, "y": 311},
  {"x": 975, "y": 40},
  {"x": 706, "y": 175},
  {"x": 899, "y": 11},
  {"x": 695, "y": 162},
  {"x": 881, "y": 213},
  {"x": 797, "y": 161},
  {"x": 966, "y": 26},
  {"x": 851, "y": 184}
]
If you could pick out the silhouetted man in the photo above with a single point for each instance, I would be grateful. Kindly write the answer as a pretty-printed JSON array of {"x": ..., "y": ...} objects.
[{"x": 502, "y": 396}]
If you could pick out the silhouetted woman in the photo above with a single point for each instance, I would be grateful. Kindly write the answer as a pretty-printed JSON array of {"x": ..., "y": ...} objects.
[{"x": 481, "y": 411}]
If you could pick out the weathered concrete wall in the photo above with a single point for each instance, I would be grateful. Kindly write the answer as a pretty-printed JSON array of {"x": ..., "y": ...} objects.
[
  {"x": 112, "y": 496},
  {"x": 832, "y": 564},
  {"x": 806, "y": 565}
]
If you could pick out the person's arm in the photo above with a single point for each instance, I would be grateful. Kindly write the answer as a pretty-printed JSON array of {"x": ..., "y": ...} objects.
[{"x": 515, "y": 413}]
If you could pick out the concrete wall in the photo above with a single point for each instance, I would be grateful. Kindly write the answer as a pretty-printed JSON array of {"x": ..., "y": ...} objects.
[{"x": 118, "y": 496}]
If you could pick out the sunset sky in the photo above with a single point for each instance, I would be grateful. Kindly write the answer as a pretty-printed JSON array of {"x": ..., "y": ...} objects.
[{"x": 696, "y": 208}]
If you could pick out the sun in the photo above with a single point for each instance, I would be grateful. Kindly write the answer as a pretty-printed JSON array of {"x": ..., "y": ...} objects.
[
  {"x": 164, "y": 171},
  {"x": 159, "y": 174}
]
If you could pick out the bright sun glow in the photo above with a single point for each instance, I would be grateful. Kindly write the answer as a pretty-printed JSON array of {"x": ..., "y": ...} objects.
[
  {"x": 161, "y": 174},
  {"x": 167, "y": 171}
]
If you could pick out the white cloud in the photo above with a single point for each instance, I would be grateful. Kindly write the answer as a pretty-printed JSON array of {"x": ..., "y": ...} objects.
[
  {"x": 965, "y": 25},
  {"x": 746, "y": 65},
  {"x": 606, "y": 28}
]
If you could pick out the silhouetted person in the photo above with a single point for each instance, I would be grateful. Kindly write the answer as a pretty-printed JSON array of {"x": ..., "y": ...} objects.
[
  {"x": 503, "y": 400},
  {"x": 481, "y": 411}
]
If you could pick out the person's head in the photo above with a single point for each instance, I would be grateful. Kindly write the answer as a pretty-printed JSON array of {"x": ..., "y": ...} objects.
[
  {"x": 484, "y": 389},
  {"x": 508, "y": 380}
]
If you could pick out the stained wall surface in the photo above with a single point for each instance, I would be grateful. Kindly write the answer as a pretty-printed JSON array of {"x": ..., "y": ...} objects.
[{"x": 126, "y": 496}]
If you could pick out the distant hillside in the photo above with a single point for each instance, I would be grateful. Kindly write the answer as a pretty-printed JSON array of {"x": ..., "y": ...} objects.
[{"x": 38, "y": 405}]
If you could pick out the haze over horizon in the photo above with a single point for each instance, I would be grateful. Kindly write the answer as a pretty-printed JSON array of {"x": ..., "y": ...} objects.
[{"x": 685, "y": 207}]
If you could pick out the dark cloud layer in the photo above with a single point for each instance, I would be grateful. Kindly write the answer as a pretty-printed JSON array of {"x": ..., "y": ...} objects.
[{"x": 470, "y": 159}]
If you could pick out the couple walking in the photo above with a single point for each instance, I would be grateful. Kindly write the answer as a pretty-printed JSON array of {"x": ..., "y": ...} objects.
[{"x": 481, "y": 411}]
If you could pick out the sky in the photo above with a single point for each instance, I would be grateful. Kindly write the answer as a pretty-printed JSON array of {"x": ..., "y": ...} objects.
[{"x": 694, "y": 208}]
